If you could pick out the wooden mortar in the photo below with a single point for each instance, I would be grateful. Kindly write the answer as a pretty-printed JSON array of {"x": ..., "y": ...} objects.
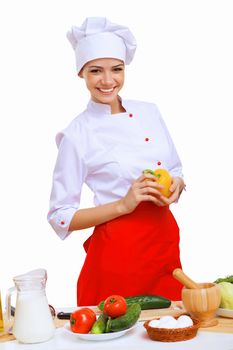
[{"x": 201, "y": 300}]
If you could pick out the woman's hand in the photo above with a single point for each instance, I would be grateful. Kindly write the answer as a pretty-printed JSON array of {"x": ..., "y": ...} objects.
[
  {"x": 145, "y": 188},
  {"x": 176, "y": 188}
]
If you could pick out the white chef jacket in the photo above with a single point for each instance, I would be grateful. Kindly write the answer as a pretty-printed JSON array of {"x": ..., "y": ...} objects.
[{"x": 107, "y": 152}]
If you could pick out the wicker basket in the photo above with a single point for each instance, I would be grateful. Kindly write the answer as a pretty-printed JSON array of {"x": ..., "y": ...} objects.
[{"x": 172, "y": 334}]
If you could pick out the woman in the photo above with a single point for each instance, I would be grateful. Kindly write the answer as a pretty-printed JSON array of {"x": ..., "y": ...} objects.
[{"x": 135, "y": 244}]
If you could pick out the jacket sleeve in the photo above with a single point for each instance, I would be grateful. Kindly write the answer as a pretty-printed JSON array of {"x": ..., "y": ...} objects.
[{"x": 68, "y": 178}]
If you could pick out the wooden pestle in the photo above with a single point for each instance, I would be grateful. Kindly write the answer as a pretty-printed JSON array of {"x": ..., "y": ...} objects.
[{"x": 184, "y": 279}]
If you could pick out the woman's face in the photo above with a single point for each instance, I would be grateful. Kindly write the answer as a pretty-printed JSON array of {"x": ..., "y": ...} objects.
[{"x": 104, "y": 79}]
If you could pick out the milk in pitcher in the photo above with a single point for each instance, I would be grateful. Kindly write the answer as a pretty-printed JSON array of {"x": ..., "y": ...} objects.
[
  {"x": 33, "y": 319},
  {"x": 33, "y": 322}
]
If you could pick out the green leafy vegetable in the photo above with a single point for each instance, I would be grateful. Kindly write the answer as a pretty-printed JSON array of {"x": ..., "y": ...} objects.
[
  {"x": 226, "y": 289},
  {"x": 225, "y": 279}
]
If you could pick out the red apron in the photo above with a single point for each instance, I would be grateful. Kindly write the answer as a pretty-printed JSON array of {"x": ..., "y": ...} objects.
[{"x": 132, "y": 255}]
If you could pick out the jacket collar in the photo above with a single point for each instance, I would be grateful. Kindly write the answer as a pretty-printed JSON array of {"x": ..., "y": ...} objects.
[{"x": 101, "y": 108}]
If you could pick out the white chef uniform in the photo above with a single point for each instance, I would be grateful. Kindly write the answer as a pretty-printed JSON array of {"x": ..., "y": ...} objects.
[{"x": 107, "y": 152}]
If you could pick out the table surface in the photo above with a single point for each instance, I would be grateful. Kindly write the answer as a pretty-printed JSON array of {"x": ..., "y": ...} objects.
[
  {"x": 136, "y": 339},
  {"x": 213, "y": 338}
]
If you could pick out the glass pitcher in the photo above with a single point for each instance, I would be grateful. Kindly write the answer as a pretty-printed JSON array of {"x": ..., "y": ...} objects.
[{"x": 33, "y": 322}]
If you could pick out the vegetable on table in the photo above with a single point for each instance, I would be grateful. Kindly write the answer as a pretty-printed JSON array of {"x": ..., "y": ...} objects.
[
  {"x": 225, "y": 279},
  {"x": 100, "y": 324},
  {"x": 126, "y": 321},
  {"x": 82, "y": 320},
  {"x": 115, "y": 305},
  {"x": 226, "y": 289},
  {"x": 146, "y": 301}
]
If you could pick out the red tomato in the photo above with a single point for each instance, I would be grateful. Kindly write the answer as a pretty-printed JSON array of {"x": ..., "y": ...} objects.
[
  {"x": 82, "y": 320},
  {"x": 115, "y": 305}
]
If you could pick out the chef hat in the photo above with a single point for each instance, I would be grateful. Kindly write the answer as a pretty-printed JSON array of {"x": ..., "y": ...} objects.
[{"x": 99, "y": 38}]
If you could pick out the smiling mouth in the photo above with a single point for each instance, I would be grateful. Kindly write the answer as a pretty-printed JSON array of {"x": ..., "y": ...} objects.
[{"x": 106, "y": 91}]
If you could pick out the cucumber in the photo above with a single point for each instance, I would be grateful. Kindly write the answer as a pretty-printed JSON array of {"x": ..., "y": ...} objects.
[
  {"x": 100, "y": 324},
  {"x": 146, "y": 302},
  {"x": 126, "y": 321}
]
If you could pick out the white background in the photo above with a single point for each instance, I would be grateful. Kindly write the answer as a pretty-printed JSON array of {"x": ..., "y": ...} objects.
[{"x": 183, "y": 63}]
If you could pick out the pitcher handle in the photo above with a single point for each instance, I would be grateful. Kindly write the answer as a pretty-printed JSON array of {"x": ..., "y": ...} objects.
[{"x": 8, "y": 303}]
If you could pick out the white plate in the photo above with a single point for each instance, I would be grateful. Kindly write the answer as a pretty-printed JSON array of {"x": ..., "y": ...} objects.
[
  {"x": 103, "y": 336},
  {"x": 225, "y": 312}
]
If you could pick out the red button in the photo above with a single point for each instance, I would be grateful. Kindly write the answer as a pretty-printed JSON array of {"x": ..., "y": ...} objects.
[
  {"x": 130, "y": 115},
  {"x": 62, "y": 222},
  {"x": 147, "y": 139}
]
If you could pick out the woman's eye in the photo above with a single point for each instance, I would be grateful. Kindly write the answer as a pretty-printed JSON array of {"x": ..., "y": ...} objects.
[
  {"x": 118, "y": 69},
  {"x": 94, "y": 71}
]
